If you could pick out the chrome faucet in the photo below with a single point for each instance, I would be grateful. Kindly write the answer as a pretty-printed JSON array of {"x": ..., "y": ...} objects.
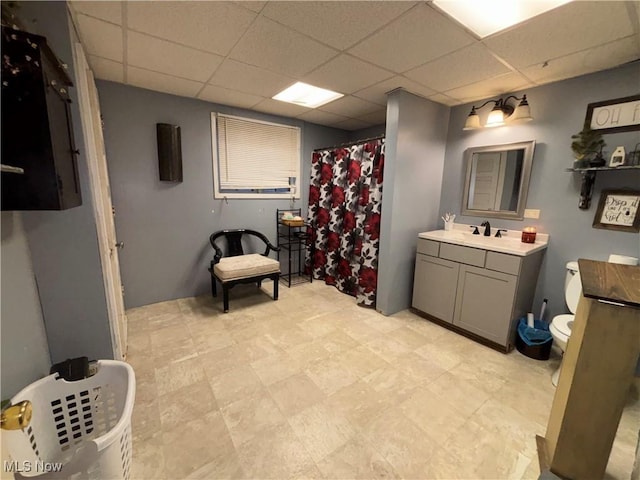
[{"x": 487, "y": 228}]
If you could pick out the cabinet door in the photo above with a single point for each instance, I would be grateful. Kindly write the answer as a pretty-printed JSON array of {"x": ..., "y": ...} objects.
[
  {"x": 434, "y": 286},
  {"x": 484, "y": 303}
]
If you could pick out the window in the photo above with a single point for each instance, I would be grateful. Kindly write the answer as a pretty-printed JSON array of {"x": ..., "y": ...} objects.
[{"x": 254, "y": 159}]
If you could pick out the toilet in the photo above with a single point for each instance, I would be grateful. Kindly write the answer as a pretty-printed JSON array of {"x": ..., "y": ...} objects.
[{"x": 560, "y": 327}]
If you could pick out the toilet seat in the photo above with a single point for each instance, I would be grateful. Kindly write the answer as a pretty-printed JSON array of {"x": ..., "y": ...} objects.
[
  {"x": 573, "y": 292},
  {"x": 561, "y": 324}
]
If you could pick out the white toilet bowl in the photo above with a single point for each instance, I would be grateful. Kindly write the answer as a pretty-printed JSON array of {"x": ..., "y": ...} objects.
[{"x": 560, "y": 327}]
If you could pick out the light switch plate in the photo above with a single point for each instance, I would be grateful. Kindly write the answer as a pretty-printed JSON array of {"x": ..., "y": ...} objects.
[{"x": 531, "y": 213}]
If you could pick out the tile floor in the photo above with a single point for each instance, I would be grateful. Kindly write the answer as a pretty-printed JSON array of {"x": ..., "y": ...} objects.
[{"x": 313, "y": 386}]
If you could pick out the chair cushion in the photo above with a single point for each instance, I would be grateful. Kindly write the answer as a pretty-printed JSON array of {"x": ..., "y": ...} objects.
[{"x": 245, "y": 266}]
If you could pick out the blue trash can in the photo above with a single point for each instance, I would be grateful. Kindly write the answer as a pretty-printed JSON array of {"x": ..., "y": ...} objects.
[{"x": 534, "y": 342}]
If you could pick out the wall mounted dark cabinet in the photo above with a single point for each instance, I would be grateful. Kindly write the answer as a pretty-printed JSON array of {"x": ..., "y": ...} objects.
[
  {"x": 37, "y": 132},
  {"x": 169, "y": 152}
]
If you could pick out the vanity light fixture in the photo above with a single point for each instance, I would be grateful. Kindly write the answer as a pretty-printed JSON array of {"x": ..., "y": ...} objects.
[
  {"x": 307, "y": 95},
  {"x": 500, "y": 112}
]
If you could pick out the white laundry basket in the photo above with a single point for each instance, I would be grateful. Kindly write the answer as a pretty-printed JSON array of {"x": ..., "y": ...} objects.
[{"x": 85, "y": 426}]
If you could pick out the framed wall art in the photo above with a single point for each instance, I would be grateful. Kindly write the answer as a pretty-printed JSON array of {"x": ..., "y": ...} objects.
[
  {"x": 617, "y": 115},
  {"x": 618, "y": 210}
]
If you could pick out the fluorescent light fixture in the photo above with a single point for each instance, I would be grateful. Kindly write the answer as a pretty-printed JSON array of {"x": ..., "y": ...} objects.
[
  {"x": 307, "y": 95},
  {"x": 485, "y": 17}
]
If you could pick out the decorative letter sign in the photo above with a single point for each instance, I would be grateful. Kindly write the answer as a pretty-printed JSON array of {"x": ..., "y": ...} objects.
[{"x": 618, "y": 115}]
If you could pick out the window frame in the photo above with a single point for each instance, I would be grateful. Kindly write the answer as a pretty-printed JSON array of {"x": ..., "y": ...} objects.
[{"x": 274, "y": 194}]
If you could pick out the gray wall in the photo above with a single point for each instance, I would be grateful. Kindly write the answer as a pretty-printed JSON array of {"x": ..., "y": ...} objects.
[
  {"x": 64, "y": 246},
  {"x": 25, "y": 355},
  {"x": 415, "y": 146},
  {"x": 166, "y": 226},
  {"x": 559, "y": 111}
]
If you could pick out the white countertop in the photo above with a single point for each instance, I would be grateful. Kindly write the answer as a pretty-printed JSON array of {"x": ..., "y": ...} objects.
[{"x": 509, "y": 243}]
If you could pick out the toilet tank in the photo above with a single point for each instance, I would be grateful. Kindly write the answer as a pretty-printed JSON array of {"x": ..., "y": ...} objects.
[{"x": 572, "y": 269}]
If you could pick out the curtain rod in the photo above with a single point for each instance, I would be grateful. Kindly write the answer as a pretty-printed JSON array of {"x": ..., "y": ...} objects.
[{"x": 348, "y": 144}]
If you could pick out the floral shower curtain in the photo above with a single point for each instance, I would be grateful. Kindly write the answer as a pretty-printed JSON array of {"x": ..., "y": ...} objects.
[{"x": 345, "y": 203}]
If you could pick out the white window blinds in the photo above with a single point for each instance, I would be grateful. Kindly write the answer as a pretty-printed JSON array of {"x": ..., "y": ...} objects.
[{"x": 255, "y": 155}]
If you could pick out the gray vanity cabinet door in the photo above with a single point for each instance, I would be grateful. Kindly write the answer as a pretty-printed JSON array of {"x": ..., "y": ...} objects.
[
  {"x": 484, "y": 303},
  {"x": 434, "y": 286}
]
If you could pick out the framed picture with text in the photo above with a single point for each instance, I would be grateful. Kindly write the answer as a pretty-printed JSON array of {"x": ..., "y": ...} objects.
[
  {"x": 618, "y": 210},
  {"x": 617, "y": 115}
]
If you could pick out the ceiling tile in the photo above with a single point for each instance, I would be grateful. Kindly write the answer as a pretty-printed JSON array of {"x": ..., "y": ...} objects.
[
  {"x": 277, "y": 107},
  {"x": 224, "y": 96},
  {"x": 378, "y": 93},
  {"x": 346, "y": 74},
  {"x": 162, "y": 83},
  {"x": 350, "y": 107},
  {"x": 101, "y": 38},
  {"x": 210, "y": 26},
  {"x": 491, "y": 87},
  {"x": 444, "y": 99},
  {"x": 109, "y": 11},
  {"x": 167, "y": 57},
  {"x": 353, "y": 124},
  {"x": 280, "y": 49},
  {"x": 377, "y": 118},
  {"x": 468, "y": 65},
  {"x": 253, "y": 6},
  {"x": 106, "y": 69},
  {"x": 322, "y": 118},
  {"x": 592, "y": 60},
  {"x": 568, "y": 29},
  {"x": 339, "y": 24},
  {"x": 250, "y": 79},
  {"x": 420, "y": 35}
]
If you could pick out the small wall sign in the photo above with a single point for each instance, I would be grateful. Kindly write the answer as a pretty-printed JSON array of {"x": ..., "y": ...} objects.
[
  {"x": 618, "y": 210},
  {"x": 617, "y": 115}
]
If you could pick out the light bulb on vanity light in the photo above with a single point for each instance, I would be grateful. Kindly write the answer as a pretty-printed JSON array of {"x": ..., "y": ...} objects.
[{"x": 496, "y": 116}]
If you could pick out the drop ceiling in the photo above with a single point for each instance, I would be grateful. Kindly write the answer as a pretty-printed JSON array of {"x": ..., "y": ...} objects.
[{"x": 243, "y": 53}]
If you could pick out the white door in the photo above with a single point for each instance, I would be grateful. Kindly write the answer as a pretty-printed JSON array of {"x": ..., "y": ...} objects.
[{"x": 101, "y": 196}]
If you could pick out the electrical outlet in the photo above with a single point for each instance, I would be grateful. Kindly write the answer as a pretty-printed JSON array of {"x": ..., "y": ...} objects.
[{"x": 531, "y": 213}]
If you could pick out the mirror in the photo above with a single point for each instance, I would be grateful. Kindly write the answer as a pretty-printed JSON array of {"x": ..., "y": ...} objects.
[{"x": 497, "y": 180}]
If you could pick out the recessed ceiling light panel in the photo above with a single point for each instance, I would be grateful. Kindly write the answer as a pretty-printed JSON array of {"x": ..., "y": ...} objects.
[
  {"x": 486, "y": 17},
  {"x": 307, "y": 95}
]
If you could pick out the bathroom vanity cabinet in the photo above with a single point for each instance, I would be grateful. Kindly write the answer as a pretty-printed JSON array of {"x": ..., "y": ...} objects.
[{"x": 475, "y": 291}]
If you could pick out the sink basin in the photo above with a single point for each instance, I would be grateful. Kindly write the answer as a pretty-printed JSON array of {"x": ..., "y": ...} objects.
[{"x": 510, "y": 242}]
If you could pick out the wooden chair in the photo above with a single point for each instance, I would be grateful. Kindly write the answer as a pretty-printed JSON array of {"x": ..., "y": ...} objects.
[{"x": 237, "y": 267}]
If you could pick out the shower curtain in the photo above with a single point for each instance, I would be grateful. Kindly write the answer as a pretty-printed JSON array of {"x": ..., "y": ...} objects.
[{"x": 345, "y": 203}]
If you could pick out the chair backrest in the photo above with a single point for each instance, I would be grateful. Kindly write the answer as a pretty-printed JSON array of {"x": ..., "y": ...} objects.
[{"x": 234, "y": 242}]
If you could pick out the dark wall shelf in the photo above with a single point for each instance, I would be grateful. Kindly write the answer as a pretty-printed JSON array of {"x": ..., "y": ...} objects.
[
  {"x": 604, "y": 169},
  {"x": 589, "y": 178}
]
